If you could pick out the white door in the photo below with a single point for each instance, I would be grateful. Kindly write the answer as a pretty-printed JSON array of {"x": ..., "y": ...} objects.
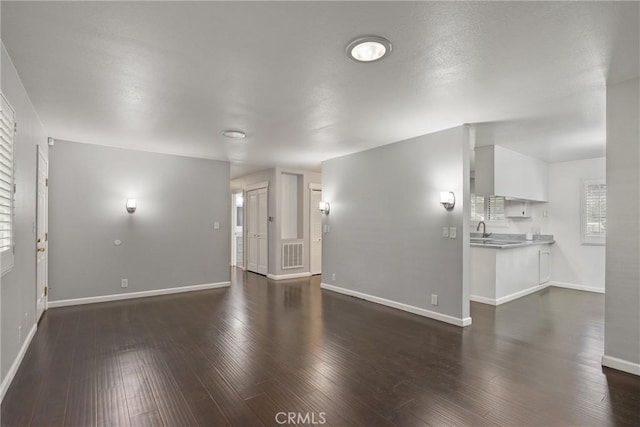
[
  {"x": 237, "y": 250},
  {"x": 263, "y": 231},
  {"x": 257, "y": 231},
  {"x": 252, "y": 230},
  {"x": 42, "y": 235},
  {"x": 315, "y": 232}
]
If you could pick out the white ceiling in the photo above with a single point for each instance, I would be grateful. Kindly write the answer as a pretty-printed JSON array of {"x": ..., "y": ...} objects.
[{"x": 170, "y": 76}]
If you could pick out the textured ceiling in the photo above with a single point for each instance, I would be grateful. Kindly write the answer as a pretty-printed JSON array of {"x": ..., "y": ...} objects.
[{"x": 170, "y": 76}]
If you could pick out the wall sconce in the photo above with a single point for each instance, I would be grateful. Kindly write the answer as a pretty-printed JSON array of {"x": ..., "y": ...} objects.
[
  {"x": 131, "y": 205},
  {"x": 324, "y": 207},
  {"x": 447, "y": 199}
]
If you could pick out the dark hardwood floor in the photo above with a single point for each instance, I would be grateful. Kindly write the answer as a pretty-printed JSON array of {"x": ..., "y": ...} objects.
[{"x": 241, "y": 355}]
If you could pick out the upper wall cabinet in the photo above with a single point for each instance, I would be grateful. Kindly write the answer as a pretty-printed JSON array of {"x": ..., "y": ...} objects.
[{"x": 503, "y": 172}]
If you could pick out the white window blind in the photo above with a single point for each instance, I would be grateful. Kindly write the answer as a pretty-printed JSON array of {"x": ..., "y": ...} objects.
[
  {"x": 594, "y": 212},
  {"x": 7, "y": 142},
  {"x": 495, "y": 208}
]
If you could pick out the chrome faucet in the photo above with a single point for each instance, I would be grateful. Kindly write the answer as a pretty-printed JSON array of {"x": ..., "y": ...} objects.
[{"x": 484, "y": 229}]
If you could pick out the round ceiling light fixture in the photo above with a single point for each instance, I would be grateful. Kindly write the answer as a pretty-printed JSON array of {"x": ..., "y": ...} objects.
[
  {"x": 368, "y": 48},
  {"x": 234, "y": 134}
]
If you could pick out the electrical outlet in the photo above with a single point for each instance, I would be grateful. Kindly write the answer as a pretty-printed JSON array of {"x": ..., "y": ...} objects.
[
  {"x": 333, "y": 277},
  {"x": 452, "y": 232},
  {"x": 216, "y": 225},
  {"x": 445, "y": 231},
  {"x": 434, "y": 299},
  {"x": 19, "y": 333},
  {"x": 125, "y": 283}
]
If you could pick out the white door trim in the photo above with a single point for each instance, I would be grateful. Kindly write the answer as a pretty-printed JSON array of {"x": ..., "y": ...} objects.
[
  {"x": 256, "y": 186},
  {"x": 40, "y": 156}
]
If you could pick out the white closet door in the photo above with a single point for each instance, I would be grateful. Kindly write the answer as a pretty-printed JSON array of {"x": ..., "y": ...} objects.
[
  {"x": 263, "y": 231},
  {"x": 315, "y": 235},
  {"x": 251, "y": 205}
]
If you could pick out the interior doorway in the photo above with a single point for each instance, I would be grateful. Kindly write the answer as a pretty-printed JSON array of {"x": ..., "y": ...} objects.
[
  {"x": 315, "y": 230},
  {"x": 237, "y": 235},
  {"x": 42, "y": 234}
]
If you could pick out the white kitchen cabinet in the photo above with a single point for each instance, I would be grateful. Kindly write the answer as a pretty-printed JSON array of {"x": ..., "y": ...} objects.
[
  {"x": 503, "y": 172},
  {"x": 502, "y": 275},
  {"x": 517, "y": 209},
  {"x": 544, "y": 266}
]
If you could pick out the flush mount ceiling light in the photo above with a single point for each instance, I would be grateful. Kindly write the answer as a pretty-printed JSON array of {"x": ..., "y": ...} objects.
[
  {"x": 368, "y": 48},
  {"x": 234, "y": 134}
]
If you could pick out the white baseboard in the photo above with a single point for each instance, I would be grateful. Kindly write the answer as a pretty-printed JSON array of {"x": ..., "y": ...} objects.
[
  {"x": 507, "y": 298},
  {"x": 131, "y": 295},
  {"x": 483, "y": 300},
  {"x": 400, "y": 306},
  {"x": 288, "y": 276},
  {"x": 577, "y": 287},
  {"x": 621, "y": 364},
  {"x": 6, "y": 382}
]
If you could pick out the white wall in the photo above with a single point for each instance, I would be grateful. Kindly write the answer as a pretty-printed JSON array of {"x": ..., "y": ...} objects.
[
  {"x": 386, "y": 224},
  {"x": 18, "y": 289},
  {"x": 622, "y": 299},
  {"x": 573, "y": 263},
  {"x": 170, "y": 240}
]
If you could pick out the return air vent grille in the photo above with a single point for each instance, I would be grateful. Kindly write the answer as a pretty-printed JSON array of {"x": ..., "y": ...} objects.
[{"x": 292, "y": 255}]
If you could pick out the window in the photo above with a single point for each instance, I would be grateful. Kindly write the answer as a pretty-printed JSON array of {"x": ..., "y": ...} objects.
[
  {"x": 495, "y": 208},
  {"x": 594, "y": 212},
  {"x": 7, "y": 139},
  {"x": 488, "y": 209},
  {"x": 477, "y": 208}
]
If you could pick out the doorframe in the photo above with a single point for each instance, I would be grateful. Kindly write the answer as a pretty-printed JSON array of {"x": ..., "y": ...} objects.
[
  {"x": 313, "y": 187},
  {"x": 40, "y": 152}
]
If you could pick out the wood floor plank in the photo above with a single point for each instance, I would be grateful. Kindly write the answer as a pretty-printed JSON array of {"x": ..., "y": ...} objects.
[{"x": 239, "y": 356}]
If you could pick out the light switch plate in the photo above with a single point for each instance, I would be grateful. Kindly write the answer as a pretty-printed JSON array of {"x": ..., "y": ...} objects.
[
  {"x": 452, "y": 232},
  {"x": 445, "y": 231},
  {"x": 216, "y": 225}
]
